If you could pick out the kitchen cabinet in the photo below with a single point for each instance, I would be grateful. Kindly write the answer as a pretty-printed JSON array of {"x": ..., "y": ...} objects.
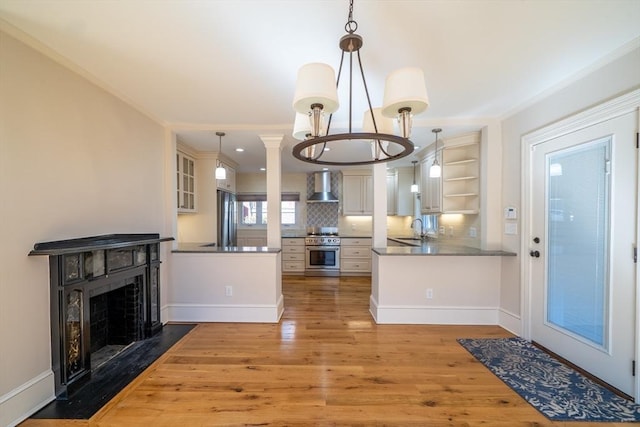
[
  {"x": 392, "y": 200},
  {"x": 357, "y": 194},
  {"x": 355, "y": 255},
  {"x": 293, "y": 255},
  {"x": 229, "y": 183},
  {"x": 430, "y": 188},
  {"x": 399, "y": 196},
  {"x": 186, "y": 183}
]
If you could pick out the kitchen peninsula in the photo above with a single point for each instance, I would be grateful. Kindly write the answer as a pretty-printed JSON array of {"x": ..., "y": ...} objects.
[
  {"x": 225, "y": 284},
  {"x": 426, "y": 282}
]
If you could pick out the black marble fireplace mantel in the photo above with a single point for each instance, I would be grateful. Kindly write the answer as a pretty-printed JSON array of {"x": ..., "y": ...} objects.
[
  {"x": 106, "y": 241},
  {"x": 105, "y": 296}
]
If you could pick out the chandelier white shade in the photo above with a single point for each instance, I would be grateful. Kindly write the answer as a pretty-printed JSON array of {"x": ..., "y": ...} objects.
[
  {"x": 316, "y": 84},
  {"x": 383, "y": 125},
  {"x": 301, "y": 127},
  {"x": 405, "y": 88}
]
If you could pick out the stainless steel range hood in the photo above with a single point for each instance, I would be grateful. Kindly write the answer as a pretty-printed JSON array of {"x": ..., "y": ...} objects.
[{"x": 322, "y": 188}]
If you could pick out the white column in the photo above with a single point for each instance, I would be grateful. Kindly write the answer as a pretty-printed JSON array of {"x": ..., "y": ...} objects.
[
  {"x": 379, "y": 239},
  {"x": 273, "y": 144},
  {"x": 490, "y": 185}
]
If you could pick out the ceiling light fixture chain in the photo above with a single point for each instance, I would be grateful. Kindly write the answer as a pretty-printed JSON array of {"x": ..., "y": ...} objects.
[
  {"x": 315, "y": 95},
  {"x": 221, "y": 172}
]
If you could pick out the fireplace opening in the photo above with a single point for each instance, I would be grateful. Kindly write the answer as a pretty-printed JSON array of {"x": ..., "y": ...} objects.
[{"x": 116, "y": 321}]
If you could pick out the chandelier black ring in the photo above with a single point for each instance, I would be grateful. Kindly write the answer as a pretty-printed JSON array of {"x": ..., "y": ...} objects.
[{"x": 405, "y": 143}]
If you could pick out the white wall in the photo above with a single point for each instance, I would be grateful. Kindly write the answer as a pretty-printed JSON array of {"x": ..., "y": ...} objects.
[
  {"x": 74, "y": 161},
  {"x": 617, "y": 77}
]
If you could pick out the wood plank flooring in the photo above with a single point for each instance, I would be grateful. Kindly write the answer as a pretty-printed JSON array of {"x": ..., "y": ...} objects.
[{"x": 325, "y": 363}]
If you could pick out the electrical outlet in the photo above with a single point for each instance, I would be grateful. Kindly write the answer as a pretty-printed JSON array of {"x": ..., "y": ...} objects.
[
  {"x": 473, "y": 232},
  {"x": 451, "y": 231},
  {"x": 441, "y": 229},
  {"x": 429, "y": 293},
  {"x": 228, "y": 291}
]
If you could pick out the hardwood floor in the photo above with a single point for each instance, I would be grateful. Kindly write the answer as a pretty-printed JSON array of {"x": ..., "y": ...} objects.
[{"x": 325, "y": 363}]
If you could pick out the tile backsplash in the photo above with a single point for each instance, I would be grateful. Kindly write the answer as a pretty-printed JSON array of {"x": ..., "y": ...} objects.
[{"x": 324, "y": 214}]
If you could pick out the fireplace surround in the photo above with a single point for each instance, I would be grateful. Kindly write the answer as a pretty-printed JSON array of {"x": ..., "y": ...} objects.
[{"x": 105, "y": 295}]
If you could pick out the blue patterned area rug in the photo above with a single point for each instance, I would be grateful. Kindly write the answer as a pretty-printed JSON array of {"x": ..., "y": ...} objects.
[{"x": 558, "y": 391}]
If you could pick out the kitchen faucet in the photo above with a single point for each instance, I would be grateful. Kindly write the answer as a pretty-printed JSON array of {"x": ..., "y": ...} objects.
[{"x": 422, "y": 234}]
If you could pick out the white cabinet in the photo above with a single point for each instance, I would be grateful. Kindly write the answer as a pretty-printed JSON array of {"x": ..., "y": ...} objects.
[
  {"x": 293, "y": 255},
  {"x": 461, "y": 179},
  {"x": 229, "y": 183},
  {"x": 399, "y": 196},
  {"x": 186, "y": 183},
  {"x": 392, "y": 200},
  {"x": 430, "y": 188},
  {"x": 357, "y": 194},
  {"x": 355, "y": 255}
]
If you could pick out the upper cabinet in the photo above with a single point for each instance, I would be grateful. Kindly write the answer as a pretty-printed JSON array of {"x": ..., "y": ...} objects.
[
  {"x": 430, "y": 188},
  {"x": 357, "y": 194},
  {"x": 457, "y": 190},
  {"x": 399, "y": 196},
  {"x": 229, "y": 183},
  {"x": 186, "y": 183}
]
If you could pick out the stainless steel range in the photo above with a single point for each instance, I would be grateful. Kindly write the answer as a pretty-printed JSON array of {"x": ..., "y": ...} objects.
[{"x": 322, "y": 252}]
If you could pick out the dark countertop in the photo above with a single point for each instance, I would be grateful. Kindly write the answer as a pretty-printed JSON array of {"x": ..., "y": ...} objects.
[
  {"x": 431, "y": 247},
  {"x": 195, "y": 248}
]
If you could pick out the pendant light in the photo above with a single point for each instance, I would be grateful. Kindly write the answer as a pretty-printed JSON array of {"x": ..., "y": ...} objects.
[
  {"x": 221, "y": 172},
  {"x": 414, "y": 186},
  {"x": 435, "y": 170}
]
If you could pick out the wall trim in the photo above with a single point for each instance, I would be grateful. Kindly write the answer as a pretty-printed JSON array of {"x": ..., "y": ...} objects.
[
  {"x": 27, "y": 399},
  {"x": 510, "y": 321},
  {"x": 250, "y": 313},
  {"x": 425, "y": 315}
]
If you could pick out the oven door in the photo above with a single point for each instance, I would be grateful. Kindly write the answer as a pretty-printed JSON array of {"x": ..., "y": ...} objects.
[{"x": 322, "y": 258}]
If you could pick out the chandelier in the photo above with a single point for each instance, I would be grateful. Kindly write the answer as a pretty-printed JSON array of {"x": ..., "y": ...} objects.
[{"x": 316, "y": 94}]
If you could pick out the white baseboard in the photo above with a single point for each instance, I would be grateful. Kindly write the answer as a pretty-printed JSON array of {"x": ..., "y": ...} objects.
[
  {"x": 24, "y": 401},
  {"x": 510, "y": 321},
  {"x": 425, "y": 315},
  {"x": 225, "y": 313}
]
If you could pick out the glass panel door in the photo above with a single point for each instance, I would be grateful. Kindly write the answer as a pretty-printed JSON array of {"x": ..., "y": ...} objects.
[{"x": 577, "y": 239}]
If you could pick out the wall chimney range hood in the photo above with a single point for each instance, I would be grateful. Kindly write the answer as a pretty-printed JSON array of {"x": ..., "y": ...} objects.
[{"x": 322, "y": 188}]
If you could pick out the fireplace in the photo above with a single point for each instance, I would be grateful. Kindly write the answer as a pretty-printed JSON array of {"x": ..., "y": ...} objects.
[{"x": 105, "y": 296}]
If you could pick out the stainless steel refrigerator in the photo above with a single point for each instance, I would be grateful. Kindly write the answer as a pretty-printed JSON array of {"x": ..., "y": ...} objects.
[{"x": 227, "y": 219}]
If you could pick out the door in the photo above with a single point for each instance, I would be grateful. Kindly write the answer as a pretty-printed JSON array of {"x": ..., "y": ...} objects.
[{"x": 583, "y": 190}]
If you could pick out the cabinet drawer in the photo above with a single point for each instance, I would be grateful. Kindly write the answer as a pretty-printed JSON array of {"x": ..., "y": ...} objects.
[
  {"x": 293, "y": 257},
  {"x": 356, "y": 251},
  {"x": 350, "y": 241},
  {"x": 293, "y": 242},
  {"x": 293, "y": 249},
  {"x": 363, "y": 265},
  {"x": 293, "y": 266}
]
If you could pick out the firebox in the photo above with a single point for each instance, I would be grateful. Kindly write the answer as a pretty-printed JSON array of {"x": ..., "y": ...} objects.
[{"x": 105, "y": 295}]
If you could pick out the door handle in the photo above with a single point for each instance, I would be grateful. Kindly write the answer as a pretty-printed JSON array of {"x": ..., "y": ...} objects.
[{"x": 535, "y": 254}]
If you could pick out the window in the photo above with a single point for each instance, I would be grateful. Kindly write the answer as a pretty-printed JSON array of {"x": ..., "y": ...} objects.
[{"x": 253, "y": 209}]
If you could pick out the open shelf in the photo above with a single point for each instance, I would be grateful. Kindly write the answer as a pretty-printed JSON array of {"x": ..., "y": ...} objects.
[
  {"x": 462, "y": 178},
  {"x": 460, "y": 162}
]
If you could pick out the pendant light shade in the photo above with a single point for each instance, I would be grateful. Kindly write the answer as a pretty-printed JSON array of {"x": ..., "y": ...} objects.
[
  {"x": 221, "y": 172},
  {"x": 414, "y": 186},
  {"x": 435, "y": 170}
]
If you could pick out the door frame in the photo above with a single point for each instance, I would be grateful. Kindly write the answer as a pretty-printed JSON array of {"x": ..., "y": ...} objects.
[{"x": 616, "y": 107}]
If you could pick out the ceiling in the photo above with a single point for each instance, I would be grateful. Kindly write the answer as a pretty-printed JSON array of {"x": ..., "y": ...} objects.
[{"x": 201, "y": 66}]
